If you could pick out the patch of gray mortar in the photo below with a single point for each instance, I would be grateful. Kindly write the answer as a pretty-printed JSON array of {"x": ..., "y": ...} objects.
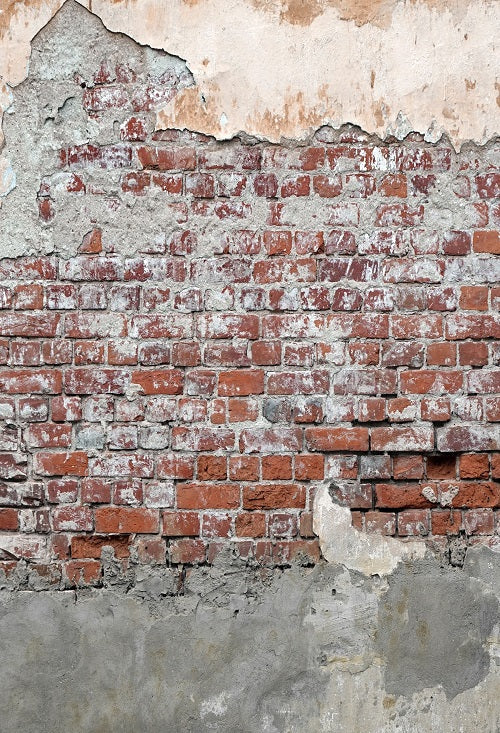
[
  {"x": 433, "y": 627},
  {"x": 236, "y": 648},
  {"x": 47, "y": 115}
]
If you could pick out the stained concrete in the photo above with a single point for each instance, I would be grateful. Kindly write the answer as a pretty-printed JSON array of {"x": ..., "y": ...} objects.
[{"x": 241, "y": 649}]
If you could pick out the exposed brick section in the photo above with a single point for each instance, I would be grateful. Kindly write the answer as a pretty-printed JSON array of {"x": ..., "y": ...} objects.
[{"x": 195, "y": 393}]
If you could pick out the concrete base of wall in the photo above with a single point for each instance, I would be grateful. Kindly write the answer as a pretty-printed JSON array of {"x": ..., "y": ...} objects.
[{"x": 232, "y": 648}]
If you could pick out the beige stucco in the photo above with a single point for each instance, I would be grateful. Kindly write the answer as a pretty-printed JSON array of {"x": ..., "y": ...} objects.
[
  {"x": 281, "y": 68},
  {"x": 278, "y": 68}
]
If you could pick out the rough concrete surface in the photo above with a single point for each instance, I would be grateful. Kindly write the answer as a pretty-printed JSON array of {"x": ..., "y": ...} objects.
[{"x": 245, "y": 650}]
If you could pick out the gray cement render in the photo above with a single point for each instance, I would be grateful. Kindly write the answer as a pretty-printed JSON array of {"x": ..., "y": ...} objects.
[{"x": 246, "y": 650}]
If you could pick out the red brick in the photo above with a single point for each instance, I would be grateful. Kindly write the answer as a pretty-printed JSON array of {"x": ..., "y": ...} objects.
[
  {"x": 402, "y": 439},
  {"x": 404, "y": 327},
  {"x": 304, "y": 552},
  {"x": 9, "y": 520},
  {"x": 241, "y": 410},
  {"x": 49, "y": 435},
  {"x": 265, "y": 184},
  {"x": 462, "y": 438},
  {"x": 212, "y": 468},
  {"x": 91, "y": 547},
  {"x": 28, "y": 297},
  {"x": 408, "y": 467},
  {"x": 72, "y": 519},
  {"x": 404, "y": 353},
  {"x": 364, "y": 353},
  {"x": 244, "y": 468},
  {"x": 283, "y": 525},
  {"x": 441, "y": 354},
  {"x": 456, "y": 243},
  {"x": 266, "y": 353},
  {"x": 365, "y": 381},
  {"x": 381, "y": 522},
  {"x": 251, "y": 524},
  {"x": 89, "y": 352},
  {"x": 479, "y": 521},
  {"x": 399, "y": 215},
  {"x": 277, "y": 242},
  {"x": 57, "y": 352},
  {"x": 180, "y": 524},
  {"x": 274, "y": 496},
  {"x": 295, "y": 186},
  {"x": 62, "y": 491},
  {"x": 486, "y": 241},
  {"x": 208, "y": 496},
  {"x": 216, "y": 525},
  {"x": 463, "y": 326},
  {"x": 241, "y": 382},
  {"x": 437, "y": 409},
  {"x": 271, "y": 440},
  {"x": 93, "y": 381},
  {"x": 492, "y": 409},
  {"x": 66, "y": 409},
  {"x": 276, "y": 467},
  {"x": 159, "y": 381},
  {"x": 474, "y": 465},
  {"x": 474, "y": 297},
  {"x": 200, "y": 185},
  {"x": 394, "y": 184},
  {"x": 95, "y": 491},
  {"x": 202, "y": 439},
  {"x": 400, "y": 496},
  {"x": 29, "y": 324},
  {"x": 352, "y": 494},
  {"x": 222, "y": 326},
  {"x": 309, "y": 467},
  {"x": 313, "y": 382},
  {"x": 447, "y": 522},
  {"x": 472, "y": 353},
  {"x": 61, "y": 464},
  {"x": 113, "y": 464},
  {"x": 371, "y": 410},
  {"x": 187, "y": 552},
  {"x": 414, "y": 522},
  {"x": 426, "y": 381},
  {"x": 126, "y": 520},
  {"x": 83, "y": 572},
  {"x": 488, "y": 185},
  {"x": 478, "y": 494},
  {"x": 327, "y": 186},
  {"x": 483, "y": 382},
  {"x": 337, "y": 439}
]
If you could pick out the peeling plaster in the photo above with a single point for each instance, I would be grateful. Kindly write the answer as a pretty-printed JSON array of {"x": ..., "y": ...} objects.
[
  {"x": 343, "y": 544},
  {"x": 283, "y": 68}
]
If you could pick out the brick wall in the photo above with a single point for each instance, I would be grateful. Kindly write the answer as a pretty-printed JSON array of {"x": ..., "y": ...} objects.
[{"x": 286, "y": 315}]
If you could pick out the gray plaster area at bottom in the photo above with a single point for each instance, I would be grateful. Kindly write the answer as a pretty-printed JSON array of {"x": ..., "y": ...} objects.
[{"x": 247, "y": 650}]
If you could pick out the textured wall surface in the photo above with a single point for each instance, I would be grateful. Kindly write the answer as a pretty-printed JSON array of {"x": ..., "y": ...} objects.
[{"x": 249, "y": 387}]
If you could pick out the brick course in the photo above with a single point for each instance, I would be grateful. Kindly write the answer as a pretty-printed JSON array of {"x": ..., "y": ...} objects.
[{"x": 307, "y": 317}]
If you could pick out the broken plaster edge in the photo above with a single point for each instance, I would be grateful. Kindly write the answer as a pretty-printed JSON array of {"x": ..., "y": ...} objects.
[
  {"x": 343, "y": 544},
  {"x": 209, "y": 118}
]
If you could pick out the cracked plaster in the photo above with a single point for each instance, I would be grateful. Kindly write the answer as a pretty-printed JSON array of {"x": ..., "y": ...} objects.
[{"x": 283, "y": 68}]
